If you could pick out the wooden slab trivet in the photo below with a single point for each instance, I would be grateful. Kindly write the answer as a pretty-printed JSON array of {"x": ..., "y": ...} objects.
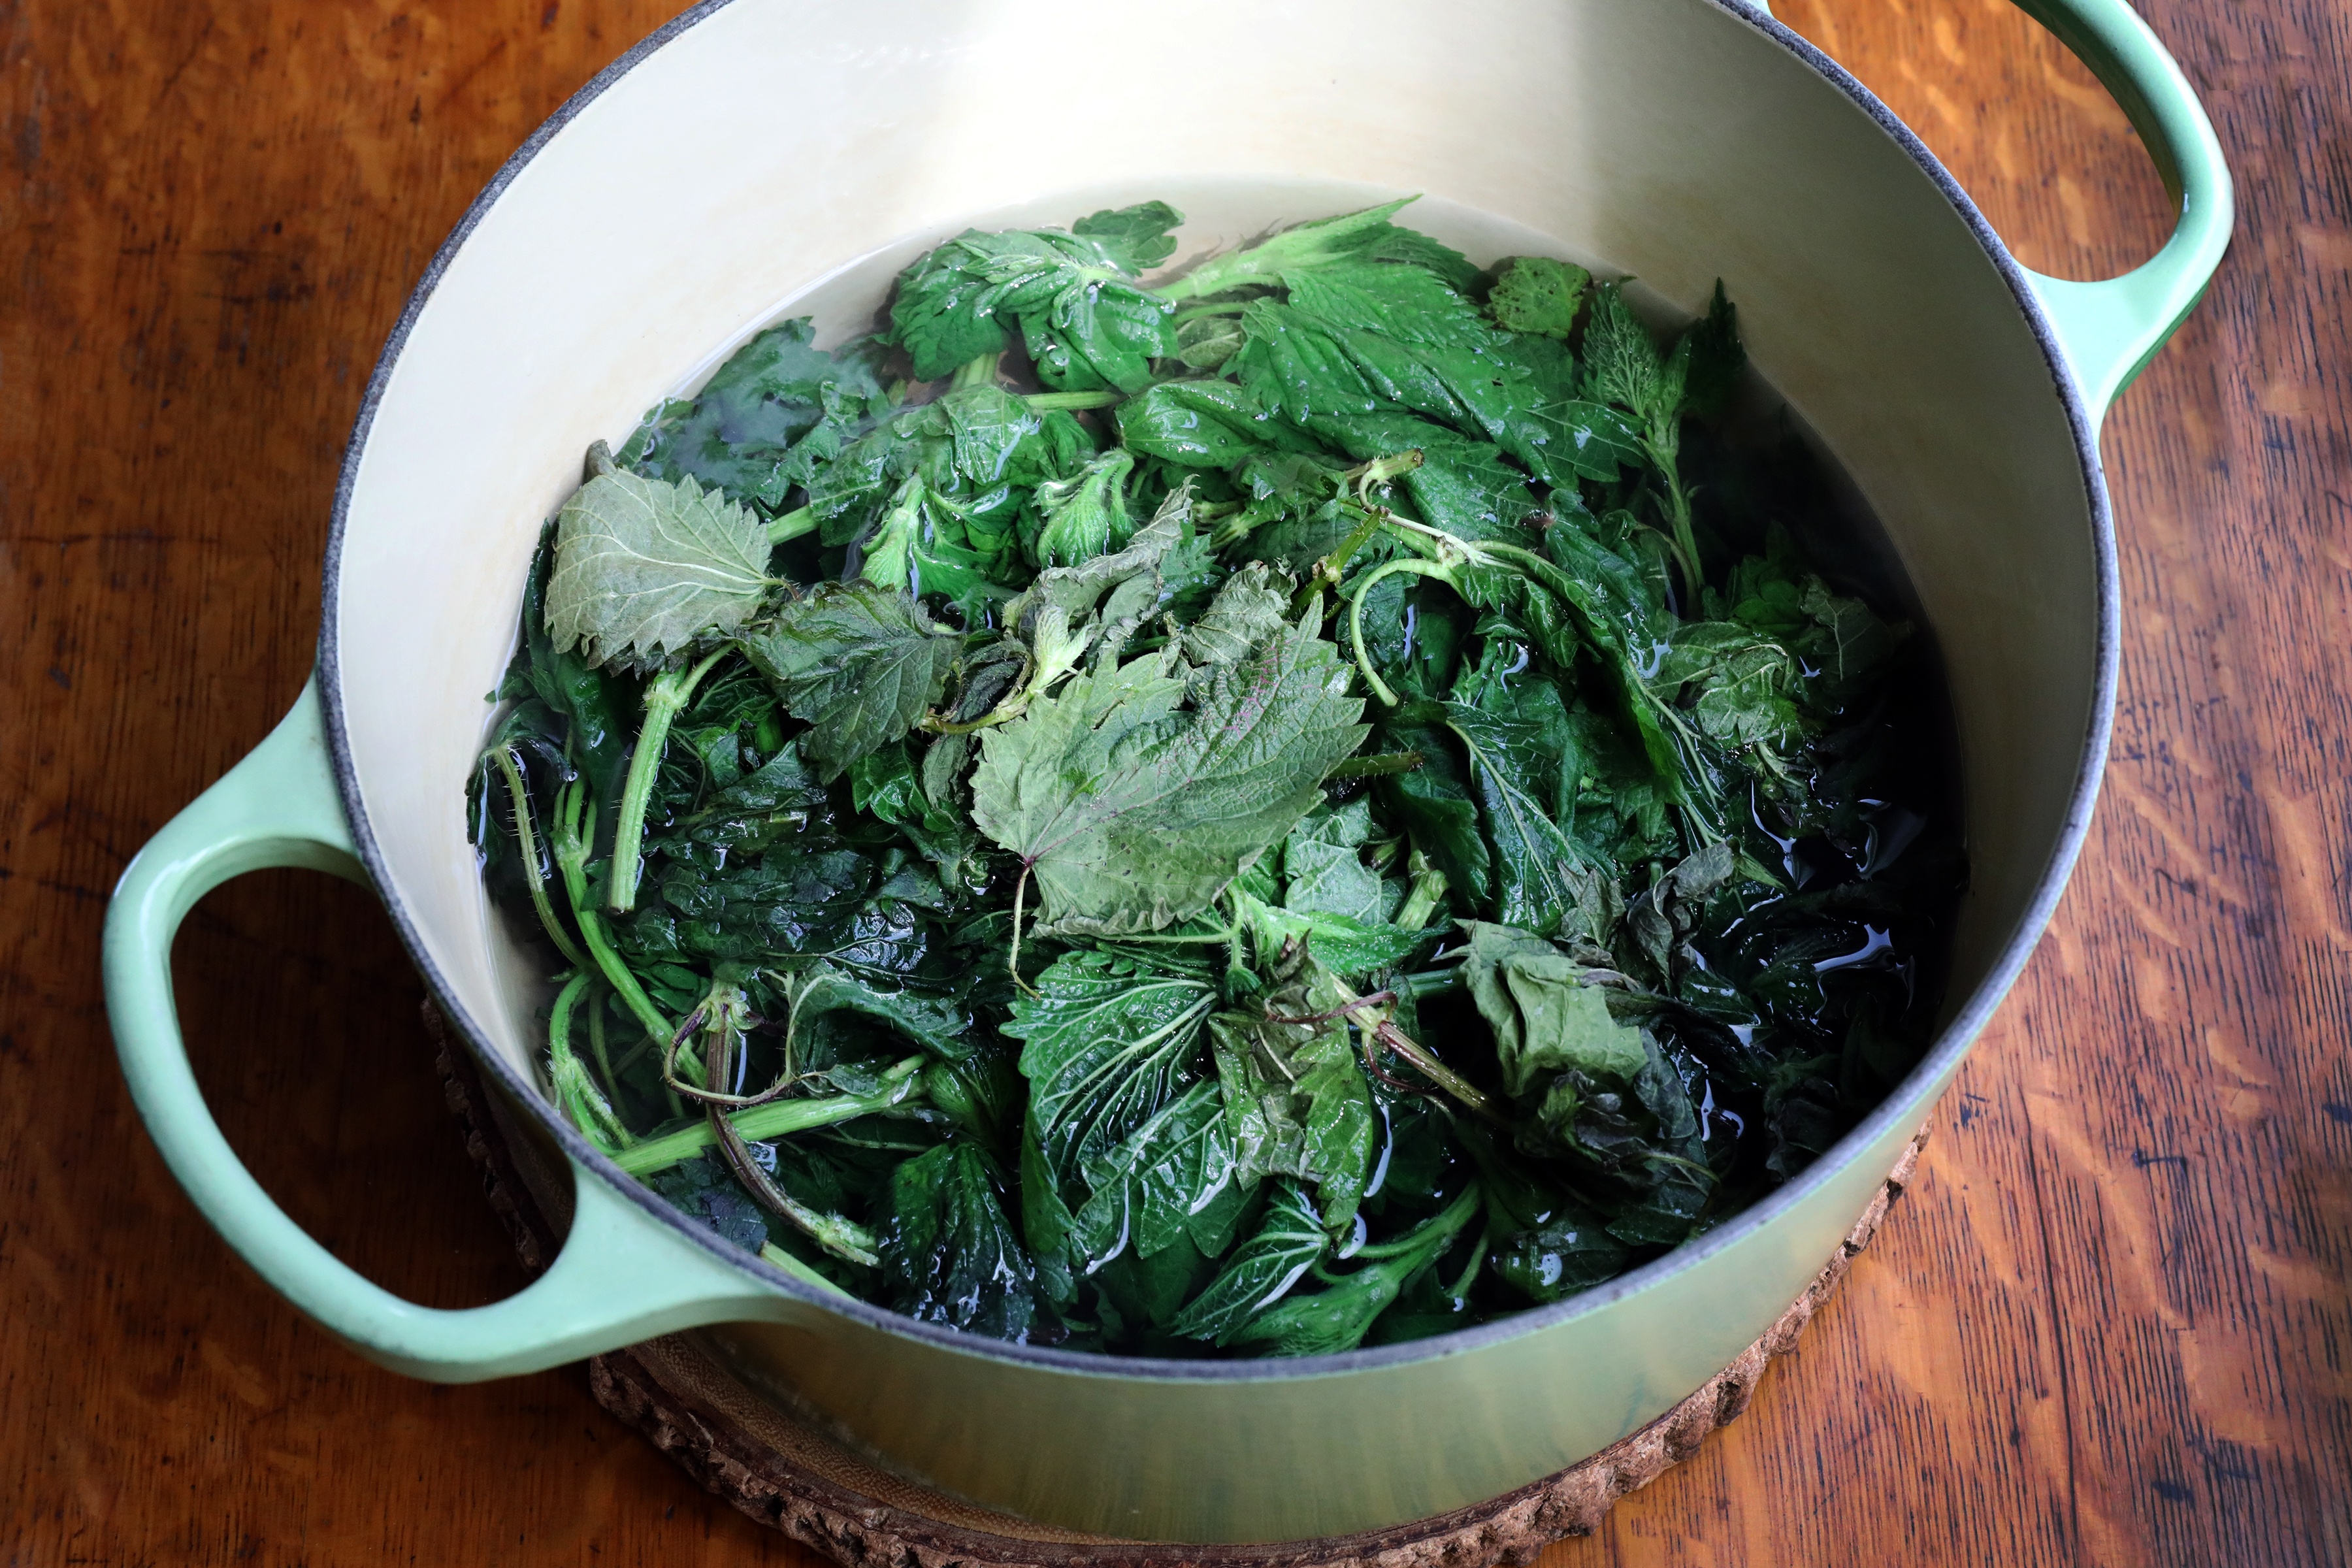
[{"x": 786, "y": 1474}]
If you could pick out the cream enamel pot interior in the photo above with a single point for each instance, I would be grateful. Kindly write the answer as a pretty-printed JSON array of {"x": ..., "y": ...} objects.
[{"x": 745, "y": 154}]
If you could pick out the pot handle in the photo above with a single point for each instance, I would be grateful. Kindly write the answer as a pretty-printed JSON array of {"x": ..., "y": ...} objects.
[
  {"x": 621, "y": 1275},
  {"x": 2110, "y": 330}
]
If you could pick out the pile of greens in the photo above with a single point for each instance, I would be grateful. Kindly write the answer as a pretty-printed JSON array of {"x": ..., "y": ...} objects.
[{"x": 1259, "y": 813}]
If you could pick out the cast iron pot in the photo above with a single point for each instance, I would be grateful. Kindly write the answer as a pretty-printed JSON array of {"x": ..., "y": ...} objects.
[{"x": 735, "y": 162}]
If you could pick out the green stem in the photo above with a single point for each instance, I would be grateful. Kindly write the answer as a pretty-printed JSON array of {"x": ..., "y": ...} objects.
[
  {"x": 1442, "y": 1223},
  {"x": 766, "y": 1123},
  {"x": 1470, "y": 1275},
  {"x": 1194, "y": 313},
  {"x": 1383, "y": 1032},
  {"x": 1419, "y": 568},
  {"x": 1047, "y": 402},
  {"x": 580, "y": 1098},
  {"x": 1663, "y": 447},
  {"x": 980, "y": 371},
  {"x": 596, "y": 1043},
  {"x": 771, "y": 1252},
  {"x": 1428, "y": 891},
  {"x": 1686, "y": 543},
  {"x": 841, "y": 1237},
  {"x": 572, "y": 839},
  {"x": 1432, "y": 981},
  {"x": 520, "y": 799},
  {"x": 792, "y": 525},
  {"x": 669, "y": 693}
]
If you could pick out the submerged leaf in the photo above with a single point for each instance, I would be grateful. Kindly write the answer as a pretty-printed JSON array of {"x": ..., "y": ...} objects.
[
  {"x": 1105, "y": 1046},
  {"x": 950, "y": 1256},
  {"x": 1070, "y": 296},
  {"x": 778, "y": 410},
  {"x": 1537, "y": 294},
  {"x": 1174, "y": 1178},
  {"x": 1296, "y": 1100},
  {"x": 1289, "y": 1240}
]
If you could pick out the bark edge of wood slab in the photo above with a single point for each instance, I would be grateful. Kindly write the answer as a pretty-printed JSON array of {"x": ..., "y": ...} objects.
[{"x": 789, "y": 1475}]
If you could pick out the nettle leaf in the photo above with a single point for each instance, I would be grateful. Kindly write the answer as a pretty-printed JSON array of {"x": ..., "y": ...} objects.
[
  {"x": 1086, "y": 515},
  {"x": 1545, "y": 880},
  {"x": 776, "y": 411},
  {"x": 1571, "y": 1252},
  {"x": 861, "y": 663},
  {"x": 1545, "y": 1017},
  {"x": 643, "y": 567},
  {"x": 974, "y": 449},
  {"x": 950, "y": 1256},
  {"x": 1406, "y": 303},
  {"x": 1436, "y": 800},
  {"x": 1250, "y": 609},
  {"x": 1137, "y": 237},
  {"x": 1536, "y": 294},
  {"x": 1342, "y": 943},
  {"x": 1623, "y": 366},
  {"x": 1203, "y": 424},
  {"x": 1716, "y": 355},
  {"x": 1205, "y": 342},
  {"x": 1135, "y": 794},
  {"x": 1172, "y": 1178},
  {"x": 1323, "y": 869},
  {"x": 1072, "y": 296},
  {"x": 1336, "y": 1318},
  {"x": 1295, "y": 1100},
  {"x": 1106, "y": 1044},
  {"x": 1288, "y": 1241},
  {"x": 1349, "y": 239},
  {"x": 1462, "y": 485},
  {"x": 930, "y": 1022}
]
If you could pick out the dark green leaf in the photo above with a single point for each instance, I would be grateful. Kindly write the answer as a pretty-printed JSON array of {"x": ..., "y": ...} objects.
[
  {"x": 1289, "y": 1240},
  {"x": 1715, "y": 356},
  {"x": 1083, "y": 516},
  {"x": 950, "y": 1256},
  {"x": 773, "y": 415},
  {"x": 1545, "y": 880},
  {"x": 1070, "y": 296},
  {"x": 1295, "y": 1100},
  {"x": 1553, "y": 1262},
  {"x": 1136, "y": 237},
  {"x": 1201, "y": 424},
  {"x": 861, "y": 663},
  {"x": 1105, "y": 1045},
  {"x": 1172, "y": 1178}
]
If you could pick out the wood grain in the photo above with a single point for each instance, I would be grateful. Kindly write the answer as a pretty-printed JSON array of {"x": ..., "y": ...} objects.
[{"x": 2111, "y": 1325}]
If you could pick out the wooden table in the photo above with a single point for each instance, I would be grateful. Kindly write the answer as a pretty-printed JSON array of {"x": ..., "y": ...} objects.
[{"x": 2110, "y": 1325}]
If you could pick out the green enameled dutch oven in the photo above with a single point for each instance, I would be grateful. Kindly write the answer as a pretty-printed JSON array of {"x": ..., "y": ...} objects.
[{"x": 733, "y": 164}]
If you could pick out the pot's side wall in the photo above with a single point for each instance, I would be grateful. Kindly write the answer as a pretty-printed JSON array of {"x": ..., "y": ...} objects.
[
  {"x": 1280, "y": 1459},
  {"x": 769, "y": 143}
]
